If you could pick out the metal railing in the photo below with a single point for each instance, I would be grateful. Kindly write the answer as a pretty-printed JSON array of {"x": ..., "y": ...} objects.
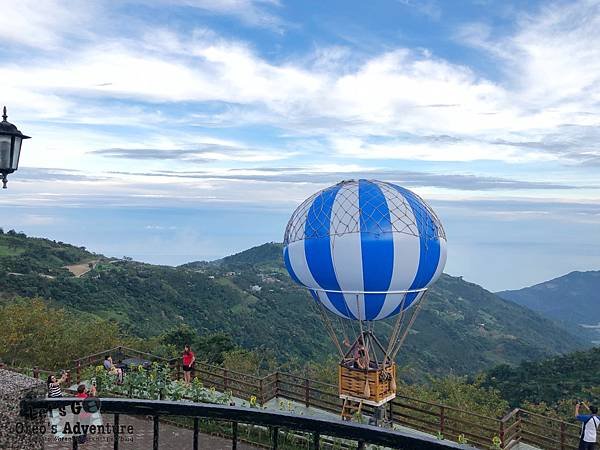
[{"x": 276, "y": 422}]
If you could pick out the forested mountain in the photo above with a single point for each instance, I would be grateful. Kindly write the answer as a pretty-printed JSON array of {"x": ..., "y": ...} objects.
[
  {"x": 573, "y": 376},
  {"x": 462, "y": 327},
  {"x": 573, "y": 300}
]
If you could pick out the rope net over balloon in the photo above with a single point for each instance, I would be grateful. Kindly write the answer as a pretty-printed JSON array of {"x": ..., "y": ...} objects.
[{"x": 347, "y": 218}]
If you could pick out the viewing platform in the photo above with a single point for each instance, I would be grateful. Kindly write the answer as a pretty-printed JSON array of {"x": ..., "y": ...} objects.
[{"x": 307, "y": 408}]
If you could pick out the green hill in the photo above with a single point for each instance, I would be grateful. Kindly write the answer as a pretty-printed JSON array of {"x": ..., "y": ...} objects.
[
  {"x": 573, "y": 300},
  {"x": 573, "y": 376},
  {"x": 462, "y": 327}
]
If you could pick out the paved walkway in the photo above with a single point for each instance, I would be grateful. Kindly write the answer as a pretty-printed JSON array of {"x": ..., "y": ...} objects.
[{"x": 171, "y": 438}]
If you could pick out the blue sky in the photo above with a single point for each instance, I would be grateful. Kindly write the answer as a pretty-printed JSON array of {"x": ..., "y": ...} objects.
[{"x": 172, "y": 131}]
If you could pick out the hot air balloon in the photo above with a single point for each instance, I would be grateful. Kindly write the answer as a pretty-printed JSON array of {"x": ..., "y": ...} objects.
[{"x": 366, "y": 250}]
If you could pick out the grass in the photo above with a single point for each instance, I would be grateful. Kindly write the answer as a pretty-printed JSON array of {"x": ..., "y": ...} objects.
[{"x": 6, "y": 250}]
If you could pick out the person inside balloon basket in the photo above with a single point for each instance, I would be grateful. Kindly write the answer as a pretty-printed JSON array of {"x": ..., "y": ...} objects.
[
  {"x": 590, "y": 423},
  {"x": 360, "y": 356}
]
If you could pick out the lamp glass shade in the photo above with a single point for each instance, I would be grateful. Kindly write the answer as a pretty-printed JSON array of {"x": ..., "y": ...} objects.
[
  {"x": 5, "y": 144},
  {"x": 14, "y": 164}
]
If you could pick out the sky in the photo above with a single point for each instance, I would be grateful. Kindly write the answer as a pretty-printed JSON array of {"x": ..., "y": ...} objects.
[{"x": 182, "y": 130}]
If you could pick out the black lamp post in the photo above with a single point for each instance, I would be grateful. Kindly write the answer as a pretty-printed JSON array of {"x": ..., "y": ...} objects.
[{"x": 10, "y": 147}]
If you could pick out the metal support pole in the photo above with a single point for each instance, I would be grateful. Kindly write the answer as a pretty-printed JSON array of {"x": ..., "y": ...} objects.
[
  {"x": 316, "y": 440},
  {"x": 196, "y": 432},
  {"x": 274, "y": 438},
  {"x": 116, "y": 432},
  {"x": 155, "y": 434},
  {"x": 234, "y": 436}
]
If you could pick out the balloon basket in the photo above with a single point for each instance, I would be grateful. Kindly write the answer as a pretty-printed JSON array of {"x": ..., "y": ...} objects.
[{"x": 373, "y": 386}]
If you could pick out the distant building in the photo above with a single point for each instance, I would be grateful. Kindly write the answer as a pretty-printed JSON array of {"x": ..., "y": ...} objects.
[{"x": 255, "y": 288}]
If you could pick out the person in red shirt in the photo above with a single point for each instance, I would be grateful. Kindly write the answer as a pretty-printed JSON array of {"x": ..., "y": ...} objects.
[
  {"x": 188, "y": 363},
  {"x": 84, "y": 416}
]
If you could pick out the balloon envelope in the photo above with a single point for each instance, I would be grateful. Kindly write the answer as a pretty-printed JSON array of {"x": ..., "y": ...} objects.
[{"x": 365, "y": 249}]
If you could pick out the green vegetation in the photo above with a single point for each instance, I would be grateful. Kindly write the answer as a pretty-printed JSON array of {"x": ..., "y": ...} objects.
[
  {"x": 34, "y": 334},
  {"x": 154, "y": 383},
  {"x": 20, "y": 254},
  {"x": 461, "y": 329},
  {"x": 550, "y": 381},
  {"x": 245, "y": 314}
]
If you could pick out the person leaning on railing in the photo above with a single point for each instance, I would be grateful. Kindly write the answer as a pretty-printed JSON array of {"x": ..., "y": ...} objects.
[{"x": 589, "y": 427}]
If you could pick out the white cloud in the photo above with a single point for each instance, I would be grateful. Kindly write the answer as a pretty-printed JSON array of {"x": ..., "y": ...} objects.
[
  {"x": 459, "y": 151},
  {"x": 250, "y": 12},
  {"x": 325, "y": 95},
  {"x": 45, "y": 23}
]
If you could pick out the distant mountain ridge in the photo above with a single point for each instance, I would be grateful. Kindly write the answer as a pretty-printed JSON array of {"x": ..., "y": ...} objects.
[
  {"x": 461, "y": 329},
  {"x": 573, "y": 300}
]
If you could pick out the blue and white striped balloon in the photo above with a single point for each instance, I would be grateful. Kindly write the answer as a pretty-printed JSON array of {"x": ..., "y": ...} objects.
[{"x": 365, "y": 249}]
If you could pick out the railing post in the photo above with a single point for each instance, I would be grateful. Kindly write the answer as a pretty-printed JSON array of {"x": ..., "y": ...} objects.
[
  {"x": 442, "y": 419},
  {"x": 391, "y": 412},
  {"x": 178, "y": 369},
  {"x": 307, "y": 392},
  {"x": 277, "y": 384},
  {"x": 501, "y": 433},
  {"x": 562, "y": 436},
  {"x": 78, "y": 371},
  {"x": 225, "y": 380},
  {"x": 316, "y": 440},
  {"x": 36, "y": 372},
  {"x": 274, "y": 438},
  {"x": 234, "y": 437},
  {"x": 155, "y": 435},
  {"x": 116, "y": 432},
  {"x": 261, "y": 395},
  {"x": 196, "y": 432}
]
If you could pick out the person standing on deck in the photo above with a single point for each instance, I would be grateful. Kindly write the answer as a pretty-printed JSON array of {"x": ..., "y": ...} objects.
[
  {"x": 188, "y": 363},
  {"x": 590, "y": 424}
]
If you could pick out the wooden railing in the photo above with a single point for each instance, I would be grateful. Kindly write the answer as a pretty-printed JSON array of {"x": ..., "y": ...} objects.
[{"x": 443, "y": 421}]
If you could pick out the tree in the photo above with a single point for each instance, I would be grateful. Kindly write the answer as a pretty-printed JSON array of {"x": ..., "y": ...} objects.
[
  {"x": 180, "y": 336},
  {"x": 35, "y": 334},
  {"x": 212, "y": 347},
  {"x": 241, "y": 360}
]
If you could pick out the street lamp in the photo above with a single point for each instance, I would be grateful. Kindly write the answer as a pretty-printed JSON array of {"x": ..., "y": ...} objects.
[{"x": 10, "y": 147}]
